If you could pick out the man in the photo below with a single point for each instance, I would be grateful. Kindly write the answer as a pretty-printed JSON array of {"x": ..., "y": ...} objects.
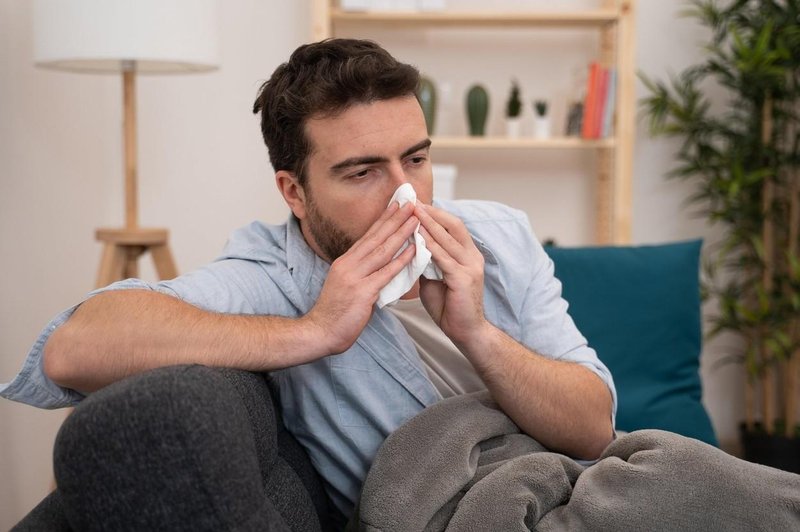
[{"x": 344, "y": 131}]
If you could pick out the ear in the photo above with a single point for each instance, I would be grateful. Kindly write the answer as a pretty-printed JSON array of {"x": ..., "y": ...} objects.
[{"x": 292, "y": 192}]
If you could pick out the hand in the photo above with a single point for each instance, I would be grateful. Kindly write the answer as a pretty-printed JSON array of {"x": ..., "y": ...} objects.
[
  {"x": 456, "y": 302},
  {"x": 356, "y": 278}
]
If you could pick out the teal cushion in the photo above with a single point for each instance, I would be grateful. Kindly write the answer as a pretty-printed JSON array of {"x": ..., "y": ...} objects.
[{"x": 639, "y": 308}]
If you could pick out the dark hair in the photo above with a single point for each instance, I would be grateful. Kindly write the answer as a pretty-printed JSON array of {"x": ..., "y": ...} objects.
[{"x": 324, "y": 79}]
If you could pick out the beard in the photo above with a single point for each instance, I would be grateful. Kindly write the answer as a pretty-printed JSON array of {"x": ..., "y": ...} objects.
[{"x": 332, "y": 240}]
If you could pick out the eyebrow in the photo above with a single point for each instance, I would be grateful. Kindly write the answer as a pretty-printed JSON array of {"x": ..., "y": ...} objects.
[{"x": 371, "y": 159}]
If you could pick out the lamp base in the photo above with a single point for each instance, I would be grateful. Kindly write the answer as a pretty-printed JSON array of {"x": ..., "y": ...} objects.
[{"x": 122, "y": 249}]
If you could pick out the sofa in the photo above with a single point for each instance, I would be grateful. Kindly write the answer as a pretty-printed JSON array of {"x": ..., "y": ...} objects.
[
  {"x": 196, "y": 448},
  {"x": 182, "y": 448}
]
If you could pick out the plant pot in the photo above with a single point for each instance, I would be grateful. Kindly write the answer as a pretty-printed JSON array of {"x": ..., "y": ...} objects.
[
  {"x": 513, "y": 127},
  {"x": 541, "y": 127},
  {"x": 776, "y": 451}
]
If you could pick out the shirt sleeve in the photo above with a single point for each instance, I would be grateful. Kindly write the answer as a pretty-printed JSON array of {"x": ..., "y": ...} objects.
[
  {"x": 546, "y": 324},
  {"x": 228, "y": 286}
]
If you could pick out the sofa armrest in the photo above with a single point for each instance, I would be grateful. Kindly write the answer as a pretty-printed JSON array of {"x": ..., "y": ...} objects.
[
  {"x": 263, "y": 408},
  {"x": 47, "y": 515},
  {"x": 184, "y": 447}
]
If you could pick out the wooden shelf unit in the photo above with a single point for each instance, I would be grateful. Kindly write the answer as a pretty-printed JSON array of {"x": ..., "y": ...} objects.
[
  {"x": 475, "y": 18},
  {"x": 614, "y": 19}
]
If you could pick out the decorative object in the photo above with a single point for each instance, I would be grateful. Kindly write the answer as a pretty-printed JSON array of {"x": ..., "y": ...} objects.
[
  {"x": 513, "y": 111},
  {"x": 444, "y": 106},
  {"x": 426, "y": 94},
  {"x": 444, "y": 181},
  {"x": 575, "y": 119},
  {"x": 541, "y": 120},
  {"x": 120, "y": 36},
  {"x": 477, "y": 110},
  {"x": 744, "y": 158}
]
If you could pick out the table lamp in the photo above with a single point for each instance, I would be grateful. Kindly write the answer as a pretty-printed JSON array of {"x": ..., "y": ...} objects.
[{"x": 129, "y": 37}]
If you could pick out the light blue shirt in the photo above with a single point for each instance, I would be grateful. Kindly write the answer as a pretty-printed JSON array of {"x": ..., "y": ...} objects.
[{"x": 342, "y": 407}]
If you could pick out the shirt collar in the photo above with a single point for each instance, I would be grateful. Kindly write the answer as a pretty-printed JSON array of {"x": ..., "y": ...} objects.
[{"x": 305, "y": 266}]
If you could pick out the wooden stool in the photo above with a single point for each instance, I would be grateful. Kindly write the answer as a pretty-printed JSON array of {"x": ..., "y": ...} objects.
[{"x": 122, "y": 249}]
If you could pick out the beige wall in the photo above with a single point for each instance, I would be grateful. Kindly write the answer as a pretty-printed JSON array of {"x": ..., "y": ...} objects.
[{"x": 204, "y": 171}]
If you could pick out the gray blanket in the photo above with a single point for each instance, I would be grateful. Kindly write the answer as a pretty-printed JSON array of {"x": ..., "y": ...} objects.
[{"x": 464, "y": 465}]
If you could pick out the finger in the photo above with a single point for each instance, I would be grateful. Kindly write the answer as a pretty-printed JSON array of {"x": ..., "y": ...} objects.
[
  {"x": 381, "y": 277},
  {"x": 383, "y": 252},
  {"x": 443, "y": 259},
  {"x": 387, "y": 224},
  {"x": 451, "y": 223},
  {"x": 373, "y": 254},
  {"x": 391, "y": 210},
  {"x": 453, "y": 237}
]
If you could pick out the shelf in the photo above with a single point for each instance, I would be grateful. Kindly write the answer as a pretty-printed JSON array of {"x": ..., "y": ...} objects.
[
  {"x": 520, "y": 143},
  {"x": 613, "y": 20},
  {"x": 596, "y": 17}
]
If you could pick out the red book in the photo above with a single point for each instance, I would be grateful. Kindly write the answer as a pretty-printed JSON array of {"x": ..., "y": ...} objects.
[
  {"x": 600, "y": 104},
  {"x": 590, "y": 103}
]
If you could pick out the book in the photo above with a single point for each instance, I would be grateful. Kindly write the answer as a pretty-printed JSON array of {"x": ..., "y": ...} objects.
[
  {"x": 599, "y": 102},
  {"x": 607, "y": 128},
  {"x": 590, "y": 116},
  {"x": 599, "y": 110}
]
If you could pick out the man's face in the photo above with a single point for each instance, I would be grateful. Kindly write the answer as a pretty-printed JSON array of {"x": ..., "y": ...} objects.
[{"x": 358, "y": 159}]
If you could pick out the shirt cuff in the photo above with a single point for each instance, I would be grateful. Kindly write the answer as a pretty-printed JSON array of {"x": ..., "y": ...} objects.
[{"x": 31, "y": 385}]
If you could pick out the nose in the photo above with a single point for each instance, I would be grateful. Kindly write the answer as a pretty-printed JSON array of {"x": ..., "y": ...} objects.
[
  {"x": 396, "y": 178},
  {"x": 397, "y": 175}
]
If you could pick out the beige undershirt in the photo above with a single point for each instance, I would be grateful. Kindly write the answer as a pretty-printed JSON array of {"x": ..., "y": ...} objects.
[{"x": 449, "y": 370}]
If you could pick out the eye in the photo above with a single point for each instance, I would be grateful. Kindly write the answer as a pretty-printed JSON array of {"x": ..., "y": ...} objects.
[
  {"x": 362, "y": 174},
  {"x": 417, "y": 159}
]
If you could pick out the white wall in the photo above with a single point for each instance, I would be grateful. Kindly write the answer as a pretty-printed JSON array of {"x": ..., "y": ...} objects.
[{"x": 204, "y": 171}]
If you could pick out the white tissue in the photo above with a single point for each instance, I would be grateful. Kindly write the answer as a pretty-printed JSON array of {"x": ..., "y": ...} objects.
[{"x": 421, "y": 264}]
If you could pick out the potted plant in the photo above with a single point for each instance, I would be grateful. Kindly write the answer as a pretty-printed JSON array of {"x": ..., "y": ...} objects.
[
  {"x": 426, "y": 95},
  {"x": 744, "y": 158},
  {"x": 541, "y": 120},
  {"x": 513, "y": 111},
  {"x": 477, "y": 109}
]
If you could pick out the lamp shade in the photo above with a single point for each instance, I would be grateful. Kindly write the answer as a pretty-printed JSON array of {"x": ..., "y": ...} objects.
[{"x": 158, "y": 36}]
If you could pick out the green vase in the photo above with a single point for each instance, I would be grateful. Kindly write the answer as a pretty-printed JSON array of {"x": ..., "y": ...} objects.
[
  {"x": 426, "y": 94},
  {"x": 477, "y": 110}
]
